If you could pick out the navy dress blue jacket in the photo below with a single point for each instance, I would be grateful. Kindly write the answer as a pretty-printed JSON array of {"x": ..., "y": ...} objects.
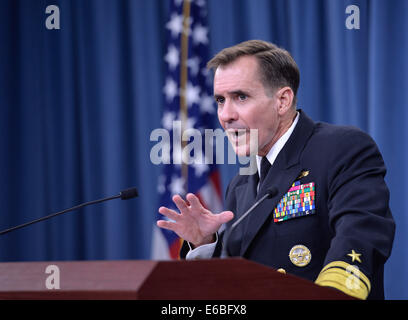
[{"x": 330, "y": 221}]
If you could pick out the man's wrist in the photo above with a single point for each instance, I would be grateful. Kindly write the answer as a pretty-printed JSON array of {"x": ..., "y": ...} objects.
[{"x": 210, "y": 239}]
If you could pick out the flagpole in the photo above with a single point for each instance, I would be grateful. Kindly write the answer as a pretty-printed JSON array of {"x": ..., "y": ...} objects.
[
  {"x": 183, "y": 85},
  {"x": 204, "y": 181}
]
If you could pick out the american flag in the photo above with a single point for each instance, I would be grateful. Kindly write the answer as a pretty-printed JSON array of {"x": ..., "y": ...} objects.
[{"x": 188, "y": 98}]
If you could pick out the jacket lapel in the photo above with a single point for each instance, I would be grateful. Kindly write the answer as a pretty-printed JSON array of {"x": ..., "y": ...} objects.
[
  {"x": 247, "y": 194},
  {"x": 245, "y": 197},
  {"x": 281, "y": 175}
]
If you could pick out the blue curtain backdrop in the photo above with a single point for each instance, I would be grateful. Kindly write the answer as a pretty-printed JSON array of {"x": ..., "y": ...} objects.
[{"x": 78, "y": 106}]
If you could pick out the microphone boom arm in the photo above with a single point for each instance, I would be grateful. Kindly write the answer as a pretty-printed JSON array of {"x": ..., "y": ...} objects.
[
  {"x": 126, "y": 194},
  {"x": 269, "y": 194}
]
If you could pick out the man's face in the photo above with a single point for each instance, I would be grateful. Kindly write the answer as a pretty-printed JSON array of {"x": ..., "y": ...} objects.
[{"x": 245, "y": 104}]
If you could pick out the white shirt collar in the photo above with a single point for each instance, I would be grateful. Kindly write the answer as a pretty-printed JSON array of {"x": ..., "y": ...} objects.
[{"x": 277, "y": 147}]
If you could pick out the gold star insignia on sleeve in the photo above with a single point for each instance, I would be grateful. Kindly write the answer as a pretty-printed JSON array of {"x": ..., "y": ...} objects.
[{"x": 354, "y": 256}]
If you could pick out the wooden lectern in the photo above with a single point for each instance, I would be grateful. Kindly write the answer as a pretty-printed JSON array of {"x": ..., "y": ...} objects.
[{"x": 215, "y": 279}]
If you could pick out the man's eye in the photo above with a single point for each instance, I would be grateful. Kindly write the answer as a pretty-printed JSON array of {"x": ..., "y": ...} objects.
[
  {"x": 220, "y": 100},
  {"x": 242, "y": 97}
]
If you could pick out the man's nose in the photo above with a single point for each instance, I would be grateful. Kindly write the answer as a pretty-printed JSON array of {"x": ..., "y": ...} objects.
[{"x": 228, "y": 112}]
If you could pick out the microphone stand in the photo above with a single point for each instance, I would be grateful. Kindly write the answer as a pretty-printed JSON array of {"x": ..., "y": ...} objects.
[
  {"x": 125, "y": 194},
  {"x": 269, "y": 194}
]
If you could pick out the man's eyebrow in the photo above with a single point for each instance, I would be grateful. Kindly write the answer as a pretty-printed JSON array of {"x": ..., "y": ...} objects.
[
  {"x": 235, "y": 93},
  {"x": 238, "y": 92}
]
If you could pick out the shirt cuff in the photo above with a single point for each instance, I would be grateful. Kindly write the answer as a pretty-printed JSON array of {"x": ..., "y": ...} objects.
[{"x": 205, "y": 251}]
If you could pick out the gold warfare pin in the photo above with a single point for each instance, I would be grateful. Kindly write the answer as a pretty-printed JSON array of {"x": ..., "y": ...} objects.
[{"x": 304, "y": 173}]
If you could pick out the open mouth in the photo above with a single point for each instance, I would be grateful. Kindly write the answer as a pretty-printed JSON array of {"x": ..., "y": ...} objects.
[
  {"x": 236, "y": 134},
  {"x": 237, "y": 130},
  {"x": 240, "y": 132}
]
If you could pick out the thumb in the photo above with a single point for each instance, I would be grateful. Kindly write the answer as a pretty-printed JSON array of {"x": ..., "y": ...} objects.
[{"x": 225, "y": 216}]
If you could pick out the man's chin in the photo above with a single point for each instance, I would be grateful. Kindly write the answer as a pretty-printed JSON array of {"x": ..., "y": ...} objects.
[{"x": 242, "y": 151}]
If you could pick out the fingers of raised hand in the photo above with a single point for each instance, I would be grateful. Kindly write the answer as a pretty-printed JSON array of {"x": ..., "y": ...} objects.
[
  {"x": 225, "y": 216},
  {"x": 167, "y": 225},
  {"x": 180, "y": 203},
  {"x": 171, "y": 214},
  {"x": 195, "y": 203}
]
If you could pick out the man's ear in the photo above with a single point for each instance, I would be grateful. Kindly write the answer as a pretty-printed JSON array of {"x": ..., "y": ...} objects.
[{"x": 285, "y": 96}]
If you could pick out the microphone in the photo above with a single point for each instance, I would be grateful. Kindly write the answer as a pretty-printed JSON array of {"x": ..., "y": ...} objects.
[
  {"x": 124, "y": 195},
  {"x": 271, "y": 192}
]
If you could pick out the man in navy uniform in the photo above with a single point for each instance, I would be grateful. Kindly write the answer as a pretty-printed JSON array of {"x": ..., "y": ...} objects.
[{"x": 329, "y": 219}]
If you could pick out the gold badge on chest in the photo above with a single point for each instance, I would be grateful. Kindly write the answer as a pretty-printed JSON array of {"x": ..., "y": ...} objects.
[{"x": 300, "y": 255}]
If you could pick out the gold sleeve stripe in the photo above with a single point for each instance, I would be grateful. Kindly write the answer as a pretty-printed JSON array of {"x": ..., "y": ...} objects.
[
  {"x": 345, "y": 277},
  {"x": 350, "y": 269}
]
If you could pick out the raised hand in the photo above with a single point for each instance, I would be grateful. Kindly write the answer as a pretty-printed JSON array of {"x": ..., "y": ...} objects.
[{"x": 194, "y": 223}]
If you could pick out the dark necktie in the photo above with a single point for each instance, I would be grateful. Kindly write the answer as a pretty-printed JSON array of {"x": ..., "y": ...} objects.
[{"x": 265, "y": 165}]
